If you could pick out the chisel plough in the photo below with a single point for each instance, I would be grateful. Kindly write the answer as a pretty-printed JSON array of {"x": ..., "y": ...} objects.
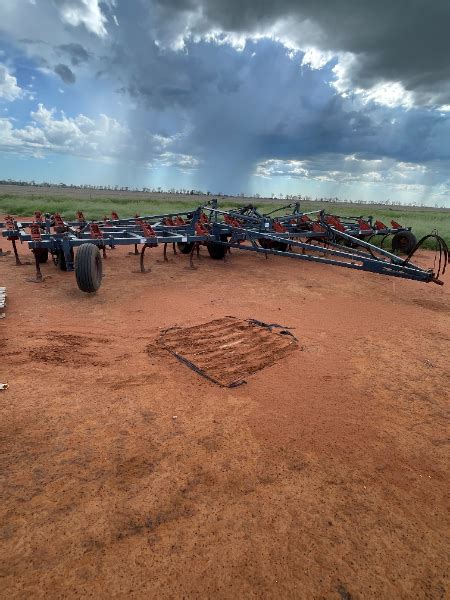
[{"x": 81, "y": 245}]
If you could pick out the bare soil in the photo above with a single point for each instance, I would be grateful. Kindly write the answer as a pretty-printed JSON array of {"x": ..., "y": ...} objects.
[{"x": 126, "y": 474}]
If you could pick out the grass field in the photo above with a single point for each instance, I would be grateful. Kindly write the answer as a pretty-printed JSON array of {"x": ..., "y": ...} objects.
[{"x": 23, "y": 202}]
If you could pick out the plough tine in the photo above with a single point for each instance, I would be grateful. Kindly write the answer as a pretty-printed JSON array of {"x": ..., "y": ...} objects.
[
  {"x": 141, "y": 260},
  {"x": 38, "y": 278},
  {"x": 191, "y": 255},
  {"x": 19, "y": 263}
]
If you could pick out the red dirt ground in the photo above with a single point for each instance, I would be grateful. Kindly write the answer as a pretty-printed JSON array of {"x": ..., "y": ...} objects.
[{"x": 128, "y": 475}]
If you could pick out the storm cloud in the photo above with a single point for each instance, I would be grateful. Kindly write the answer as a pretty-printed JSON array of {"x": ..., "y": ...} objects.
[
  {"x": 403, "y": 41},
  {"x": 225, "y": 91}
]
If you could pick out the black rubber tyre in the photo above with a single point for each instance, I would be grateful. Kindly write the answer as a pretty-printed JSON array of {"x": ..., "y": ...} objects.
[
  {"x": 403, "y": 242},
  {"x": 272, "y": 245},
  {"x": 42, "y": 254},
  {"x": 61, "y": 260},
  {"x": 281, "y": 246},
  {"x": 184, "y": 247},
  {"x": 88, "y": 268},
  {"x": 265, "y": 243},
  {"x": 216, "y": 251}
]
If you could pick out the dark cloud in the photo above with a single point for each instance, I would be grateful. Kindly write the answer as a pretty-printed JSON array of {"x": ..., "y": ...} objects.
[
  {"x": 182, "y": 81},
  {"x": 65, "y": 73},
  {"x": 403, "y": 40},
  {"x": 242, "y": 108},
  {"x": 239, "y": 109},
  {"x": 76, "y": 52}
]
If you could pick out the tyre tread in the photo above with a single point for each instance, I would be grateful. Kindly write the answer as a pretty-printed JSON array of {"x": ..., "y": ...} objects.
[{"x": 87, "y": 274}]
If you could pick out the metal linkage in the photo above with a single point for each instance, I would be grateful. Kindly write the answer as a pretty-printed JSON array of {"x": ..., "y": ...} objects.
[
  {"x": 315, "y": 236},
  {"x": 364, "y": 258},
  {"x": 309, "y": 223}
]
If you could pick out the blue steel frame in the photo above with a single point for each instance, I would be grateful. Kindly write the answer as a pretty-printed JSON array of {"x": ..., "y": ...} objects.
[{"x": 246, "y": 235}]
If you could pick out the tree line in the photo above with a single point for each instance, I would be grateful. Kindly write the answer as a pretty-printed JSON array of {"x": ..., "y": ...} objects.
[{"x": 192, "y": 192}]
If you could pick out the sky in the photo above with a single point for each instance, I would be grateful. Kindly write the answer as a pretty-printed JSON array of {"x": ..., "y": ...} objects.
[{"x": 318, "y": 98}]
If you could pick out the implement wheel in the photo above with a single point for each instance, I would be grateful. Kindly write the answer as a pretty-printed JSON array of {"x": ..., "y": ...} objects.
[
  {"x": 281, "y": 246},
  {"x": 403, "y": 242},
  {"x": 184, "y": 247},
  {"x": 272, "y": 245},
  {"x": 88, "y": 268},
  {"x": 216, "y": 251},
  {"x": 61, "y": 259}
]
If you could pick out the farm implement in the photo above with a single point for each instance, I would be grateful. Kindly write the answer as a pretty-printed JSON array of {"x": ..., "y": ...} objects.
[
  {"x": 80, "y": 245},
  {"x": 403, "y": 240}
]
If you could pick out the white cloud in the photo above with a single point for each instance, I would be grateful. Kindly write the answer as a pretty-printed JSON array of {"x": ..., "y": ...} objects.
[
  {"x": 347, "y": 169},
  {"x": 390, "y": 94},
  {"x": 315, "y": 58},
  {"x": 102, "y": 138},
  {"x": 184, "y": 162},
  {"x": 9, "y": 90},
  {"x": 386, "y": 93},
  {"x": 79, "y": 136},
  {"x": 83, "y": 12}
]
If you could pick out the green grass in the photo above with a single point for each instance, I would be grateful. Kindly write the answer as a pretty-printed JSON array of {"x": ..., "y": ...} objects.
[
  {"x": 422, "y": 220},
  {"x": 96, "y": 208}
]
